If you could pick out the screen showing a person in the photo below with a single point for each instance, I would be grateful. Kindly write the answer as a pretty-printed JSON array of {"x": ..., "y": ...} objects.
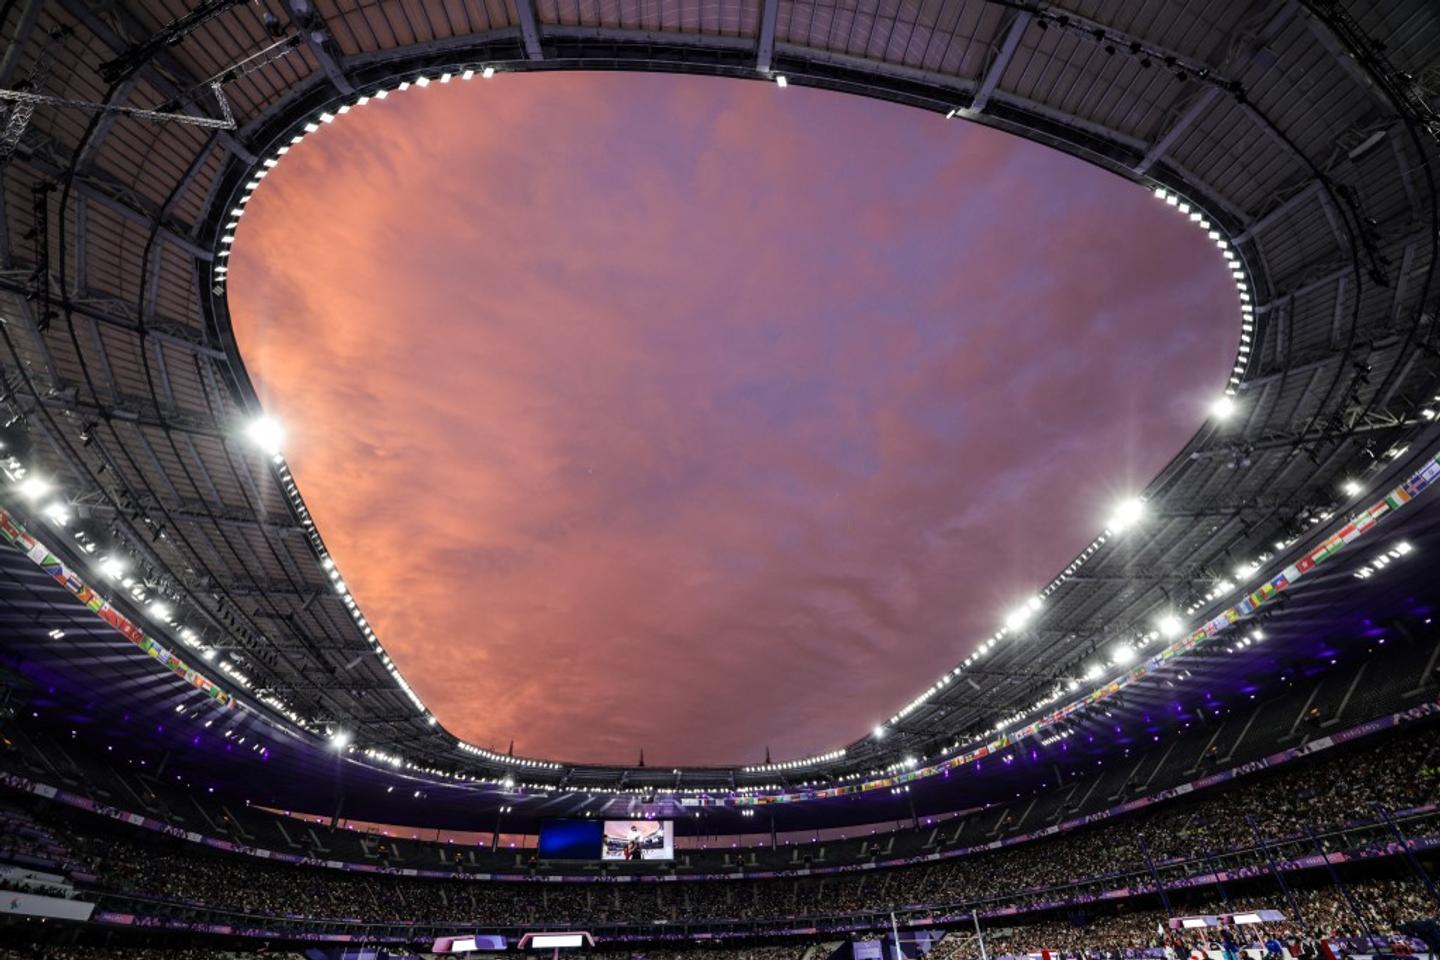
[{"x": 639, "y": 840}]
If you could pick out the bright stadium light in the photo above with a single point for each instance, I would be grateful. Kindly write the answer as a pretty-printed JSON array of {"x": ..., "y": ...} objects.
[
  {"x": 1351, "y": 488},
  {"x": 1127, "y": 514},
  {"x": 1123, "y": 654},
  {"x": 33, "y": 488},
  {"x": 781, "y": 81},
  {"x": 266, "y": 433},
  {"x": 1170, "y": 627},
  {"x": 1094, "y": 671},
  {"x": 159, "y": 610},
  {"x": 1223, "y": 407},
  {"x": 340, "y": 739},
  {"x": 879, "y": 731}
]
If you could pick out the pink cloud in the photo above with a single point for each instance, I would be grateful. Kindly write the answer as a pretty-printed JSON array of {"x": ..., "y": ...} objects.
[{"x": 676, "y": 413}]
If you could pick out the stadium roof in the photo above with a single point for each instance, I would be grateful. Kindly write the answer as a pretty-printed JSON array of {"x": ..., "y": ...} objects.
[{"x": 1303, "y": 134}]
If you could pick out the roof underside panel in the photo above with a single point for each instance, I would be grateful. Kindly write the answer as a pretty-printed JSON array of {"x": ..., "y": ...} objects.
[{"x": 1252, "y": 111}]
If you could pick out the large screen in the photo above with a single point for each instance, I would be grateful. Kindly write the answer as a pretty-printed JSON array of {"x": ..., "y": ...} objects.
[
  {"x": 570, "y": 840},
  {"x": 639, "y": 840}
]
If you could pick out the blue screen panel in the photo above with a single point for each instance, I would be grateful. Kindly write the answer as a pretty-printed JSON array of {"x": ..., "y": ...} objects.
[{"x": 570, "y": 839}]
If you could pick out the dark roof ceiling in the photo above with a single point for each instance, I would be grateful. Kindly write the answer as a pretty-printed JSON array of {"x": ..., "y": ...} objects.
[{"x": 1284, "y": 122}]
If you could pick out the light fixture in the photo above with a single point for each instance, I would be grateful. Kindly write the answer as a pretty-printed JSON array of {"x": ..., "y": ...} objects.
[
  {"x": 879, "y": 731},
  {"x": 1123, "y": 654},
  {"x": 488, "y": 72},
  {"x": 340, "y": 739},
  {"x": 159, "y": 610},
  {"x": 781, "y": 81},
  {"x": 1018, "y": 617},
  {"x": 33, "y": 488},
  {"x": 1170, "y": 626},
  {"x": 1351, "y": 488},
  {"x": 1127, "y": 514},
  {"x": 1223, "y": 406},
  {"x": 266, "y": 433},
  {"x": 1094, "y": 671}
]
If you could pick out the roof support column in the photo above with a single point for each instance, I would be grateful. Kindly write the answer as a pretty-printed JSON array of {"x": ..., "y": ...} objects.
[
  {"x": 1198, "y": 106},
  {"x": 1018, "y": 25},
  {"x": 25, "y": 27},
  {"x": 319, "y": 39},
  {"x": 529, "y": 29},
  {"x": 765, "y": 43}
]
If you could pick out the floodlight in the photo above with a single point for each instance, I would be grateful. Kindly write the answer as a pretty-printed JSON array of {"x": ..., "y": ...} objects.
[
  {"x": 781, "y": 81},
  {"x": 1123, "y": 654},
  {"x": 266, "y": 433},
  {"x": 1094, "y": 671},
  {"x": 880, "y": 731},
  {"x": 1170, "y": 627},
  {"x": 1127, "y": 514},
  {"x": 33, "y": 488},
  {"x": 1222, "y": 407},
  {"x": 1351, "y": 488},
  {"x": 340, "y": 739}
]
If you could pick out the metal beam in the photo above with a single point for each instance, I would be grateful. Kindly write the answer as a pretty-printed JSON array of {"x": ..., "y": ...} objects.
[
  {"x": 317, "y": 35},
  {"x": 104, "y": 124},
  {"x": 82, "y": 13},
  {"x": 114, "y": 312},
  {"x": 115, "y": 197},
  {"x": 529, "y": 29},
  {"x": 23, "y": 29},
  {"x": 1186, "y": 120},
  {"x": 765, "y": 42},
  {"x": 1235, "y": 66},
  {"x": 1333, "y": 270},
  {"x": 1019, "y": 23},
  {"x": 1279, "y": 210},
  {"x": 133, "y": 410}
]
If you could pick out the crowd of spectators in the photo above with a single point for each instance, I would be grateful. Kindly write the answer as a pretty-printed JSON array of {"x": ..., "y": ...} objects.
[
  {"x": 760, "y": 952},
  {"x": 51, "y": 952},
  {"x": 24, "y": 840},
  {"x": 1296, "y": 812},
  {"x": 1318, "y": 914}
]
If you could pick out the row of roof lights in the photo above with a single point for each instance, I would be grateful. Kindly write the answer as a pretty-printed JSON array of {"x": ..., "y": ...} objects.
[
  {"x": 1127, "y": 514},
  {"x": 796, "y": 764},
  {"x": 1383, "y": 560}
]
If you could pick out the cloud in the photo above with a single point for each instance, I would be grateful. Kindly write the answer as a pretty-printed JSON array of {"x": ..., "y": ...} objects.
[{"x": 675, "y": 413}]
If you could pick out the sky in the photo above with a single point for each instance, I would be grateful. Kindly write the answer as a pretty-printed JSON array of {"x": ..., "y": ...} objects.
[{"x": 697, "y": 416}]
